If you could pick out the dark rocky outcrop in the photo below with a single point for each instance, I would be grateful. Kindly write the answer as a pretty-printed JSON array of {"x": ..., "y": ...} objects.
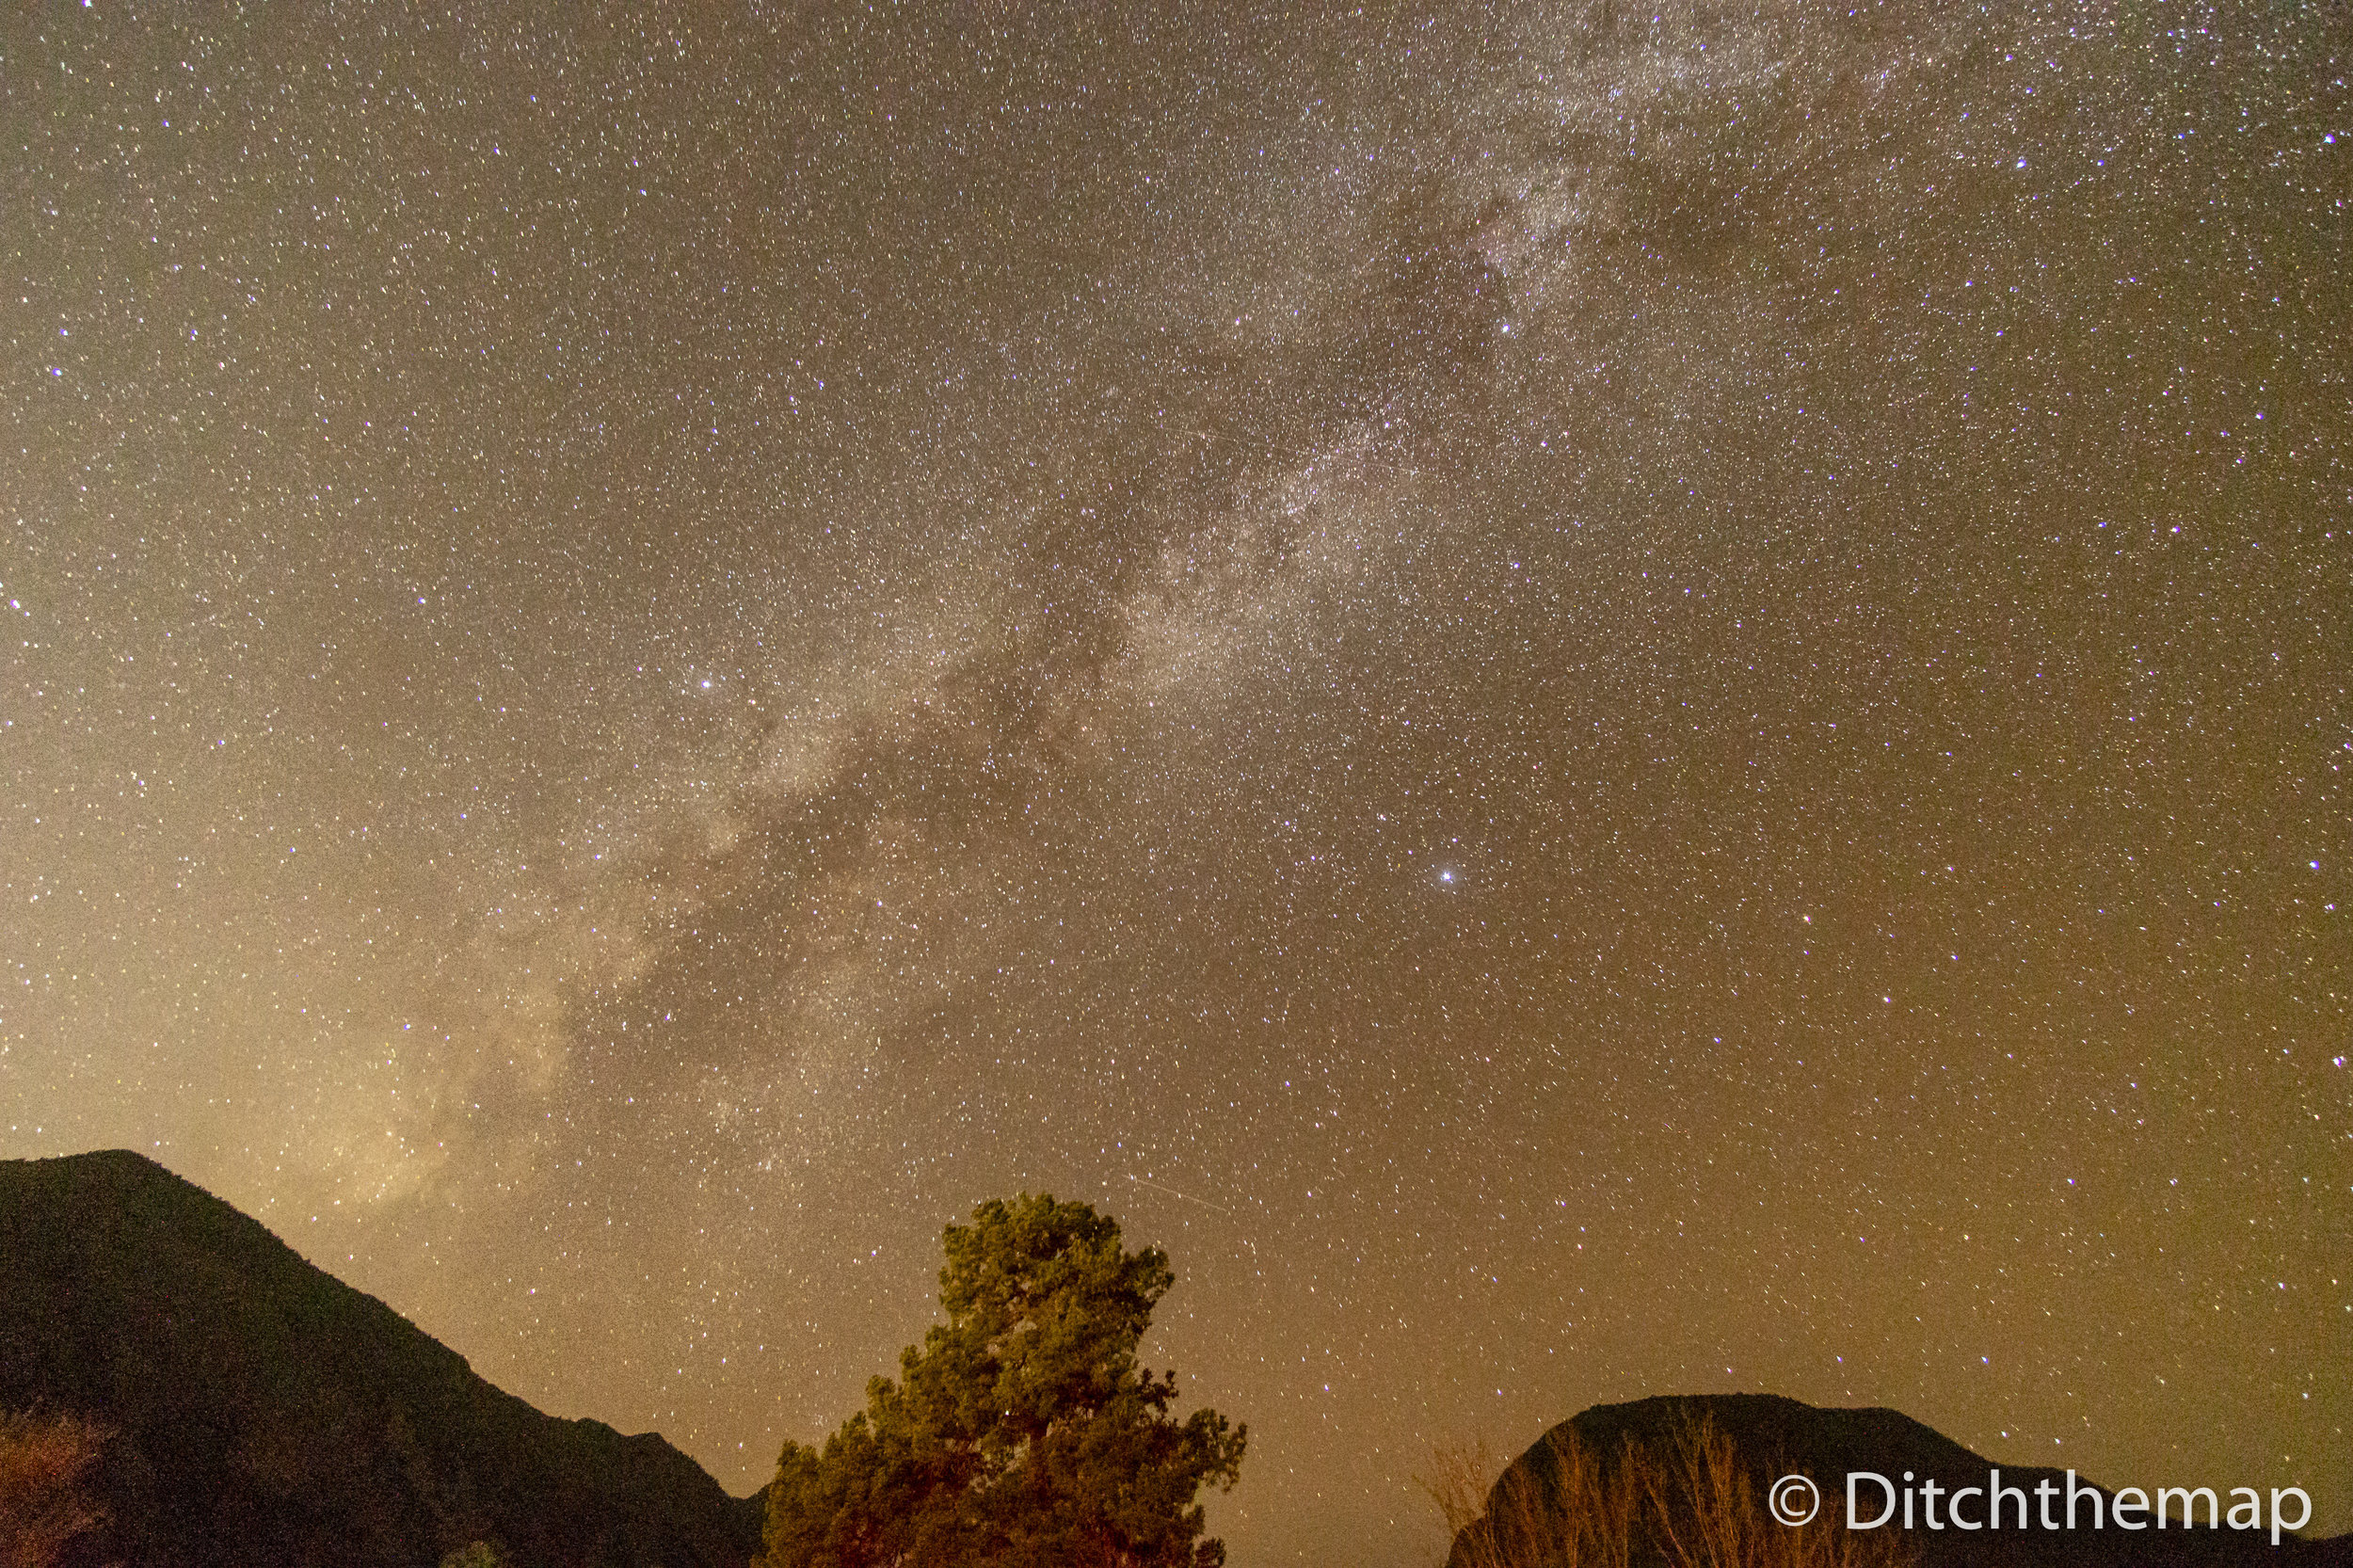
[
  {"x": 265, "y": 1414},
  {"x": 1771, "y": 1436}
]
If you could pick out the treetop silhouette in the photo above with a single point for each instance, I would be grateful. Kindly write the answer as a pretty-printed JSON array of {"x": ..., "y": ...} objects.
[{"x": 1023, "y": 1432}]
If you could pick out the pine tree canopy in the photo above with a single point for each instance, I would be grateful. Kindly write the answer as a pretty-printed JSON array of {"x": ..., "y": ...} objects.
[{"x": 1022, "y": 1434}]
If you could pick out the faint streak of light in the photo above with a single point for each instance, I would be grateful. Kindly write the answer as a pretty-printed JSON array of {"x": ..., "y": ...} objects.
[{"x": 1173, "y": 1194}]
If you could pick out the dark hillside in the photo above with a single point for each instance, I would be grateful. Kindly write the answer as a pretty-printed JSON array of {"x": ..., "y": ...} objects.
[
  {"x": 267, "y": 1414},
  {"x": 1771, "y": 1436}
]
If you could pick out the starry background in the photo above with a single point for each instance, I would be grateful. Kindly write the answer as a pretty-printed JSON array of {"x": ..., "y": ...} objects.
[{"x": 1593, "y": 699}]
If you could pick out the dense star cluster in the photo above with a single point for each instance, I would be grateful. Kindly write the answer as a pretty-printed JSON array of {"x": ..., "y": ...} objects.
[{"x": 1591, "y": 699}]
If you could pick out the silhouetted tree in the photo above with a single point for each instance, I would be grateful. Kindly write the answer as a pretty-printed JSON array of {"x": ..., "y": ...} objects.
[{"x": 1022, "y": 1433}]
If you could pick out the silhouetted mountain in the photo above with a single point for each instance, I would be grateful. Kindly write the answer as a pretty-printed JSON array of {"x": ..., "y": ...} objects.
[
  {"x": 268, "y": 1414},
  {"x": 1773, "y": 1436}
]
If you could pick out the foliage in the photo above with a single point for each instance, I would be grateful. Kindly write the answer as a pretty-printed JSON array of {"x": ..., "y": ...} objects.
[
  {"x": 1022, "y": 1434},
  {"x": 474, "y": 1554},
  {"x": 44, "y": 1503},
  {"x": 1683, "y": 1501}
]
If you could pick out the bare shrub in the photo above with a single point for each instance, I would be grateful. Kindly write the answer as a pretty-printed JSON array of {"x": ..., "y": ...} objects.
[
  {"x": 474, "y": 1554},
  {"x": 45, "y": 1501},
  {"x": 1560, "y": 1511},
  {"x": 1688, "y": 1502}
]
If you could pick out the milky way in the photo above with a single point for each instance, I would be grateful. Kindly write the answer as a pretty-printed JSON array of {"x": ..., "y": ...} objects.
[{"x": 1591, "y": 700}]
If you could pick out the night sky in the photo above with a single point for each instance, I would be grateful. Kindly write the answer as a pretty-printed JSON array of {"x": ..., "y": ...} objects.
[{"x": 1594, "y": 700}]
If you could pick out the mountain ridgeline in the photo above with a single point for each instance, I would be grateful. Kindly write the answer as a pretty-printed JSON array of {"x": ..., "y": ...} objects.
[
  {"x": 258, "y": 1411},
  {"x": 263, "y": 1412}
]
